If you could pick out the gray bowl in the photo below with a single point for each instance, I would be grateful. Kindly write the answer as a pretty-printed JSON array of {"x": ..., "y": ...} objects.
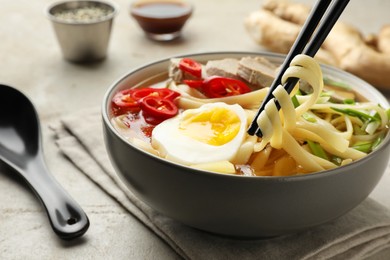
[{"x": 241, "y": 206}]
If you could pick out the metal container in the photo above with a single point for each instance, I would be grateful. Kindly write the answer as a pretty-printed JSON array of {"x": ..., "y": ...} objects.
[{"x": 82, "y": 28}]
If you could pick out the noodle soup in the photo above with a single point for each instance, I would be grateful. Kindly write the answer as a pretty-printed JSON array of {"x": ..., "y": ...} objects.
[
  {"x": 197, "y": 115},
  {"x": 238, "y": 204}
]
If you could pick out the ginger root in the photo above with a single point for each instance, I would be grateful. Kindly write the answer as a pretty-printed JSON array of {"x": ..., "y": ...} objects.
[
  {"x": 384, "y": 39},
  {"x": 277, "y": 24},
  {"x": 278, "y": 35}
]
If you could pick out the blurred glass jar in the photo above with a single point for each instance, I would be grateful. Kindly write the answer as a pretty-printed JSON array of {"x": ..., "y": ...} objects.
[{"x": 161, "y": 20}]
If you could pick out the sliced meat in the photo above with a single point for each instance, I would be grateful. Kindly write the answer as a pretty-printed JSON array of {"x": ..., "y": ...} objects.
[
  {"x": 257, "y": 71},
  {"x": 174, "y": 72},
  {"x": 224, "y": 68}
]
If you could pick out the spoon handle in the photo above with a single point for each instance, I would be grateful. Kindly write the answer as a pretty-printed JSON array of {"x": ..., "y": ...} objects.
[{"x": 67, "y": 218}]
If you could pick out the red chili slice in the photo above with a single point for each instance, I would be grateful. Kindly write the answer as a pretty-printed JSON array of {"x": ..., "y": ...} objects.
[
  {"x": 216, "y": 87},
  {"x": 123, "y": 102},
  {"x": 128, "y": 100},
  {"x": 191, "y": 66},
  {"x": 140, "y": 93},
  {"x": 152, "y": 120},
  {"x": 194, "y": 83},
  {"x": 158, "y": 108},
  {"x": 165, "y": 93}
]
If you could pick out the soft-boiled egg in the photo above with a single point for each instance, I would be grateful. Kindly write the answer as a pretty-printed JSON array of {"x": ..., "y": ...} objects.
[{"x": 211, "y": 133}]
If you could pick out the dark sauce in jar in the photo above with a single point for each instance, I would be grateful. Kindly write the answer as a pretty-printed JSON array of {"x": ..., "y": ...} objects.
[{"x": 161, "y": 17}]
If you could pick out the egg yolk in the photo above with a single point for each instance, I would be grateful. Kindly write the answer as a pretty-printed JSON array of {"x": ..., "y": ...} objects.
[{"x": 216, "y": 126}]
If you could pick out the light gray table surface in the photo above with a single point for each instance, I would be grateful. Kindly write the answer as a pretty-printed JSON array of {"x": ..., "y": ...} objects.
[{"x": 30, "y": 60}]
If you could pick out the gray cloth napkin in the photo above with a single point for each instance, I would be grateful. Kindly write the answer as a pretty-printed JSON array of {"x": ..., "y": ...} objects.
[{"x": 359, "y": 234}]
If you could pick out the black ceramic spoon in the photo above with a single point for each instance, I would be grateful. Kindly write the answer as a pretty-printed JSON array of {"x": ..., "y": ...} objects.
[{"x": 21, "y": 149}]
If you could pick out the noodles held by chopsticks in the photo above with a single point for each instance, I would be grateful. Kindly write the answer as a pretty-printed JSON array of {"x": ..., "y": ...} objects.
[{"x": 289, "y": 129}]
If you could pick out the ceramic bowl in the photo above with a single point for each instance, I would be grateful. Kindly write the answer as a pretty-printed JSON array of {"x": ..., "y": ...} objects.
[{"x": 241, "y": 206}]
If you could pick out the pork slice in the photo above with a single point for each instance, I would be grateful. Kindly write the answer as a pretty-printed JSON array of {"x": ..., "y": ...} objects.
[
  {"x": 257, "y": 70},
  {"x": 224, "y": 68},
  {"x": 174, "y": 72}
]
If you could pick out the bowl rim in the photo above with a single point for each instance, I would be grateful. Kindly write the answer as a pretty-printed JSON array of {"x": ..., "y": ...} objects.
[
  {"x": 189, "y": 170},
  {"x": 53, "y": 18}
]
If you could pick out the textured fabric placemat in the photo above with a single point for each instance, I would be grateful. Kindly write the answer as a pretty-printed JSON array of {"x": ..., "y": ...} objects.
[{"x": 362, "y": 232}]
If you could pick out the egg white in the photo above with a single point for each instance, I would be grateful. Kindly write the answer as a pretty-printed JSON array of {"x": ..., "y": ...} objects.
[{"x": 173, "y": 145}]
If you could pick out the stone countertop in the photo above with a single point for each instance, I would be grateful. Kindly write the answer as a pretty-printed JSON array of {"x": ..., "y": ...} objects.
[{"x": 31, "y": 61}]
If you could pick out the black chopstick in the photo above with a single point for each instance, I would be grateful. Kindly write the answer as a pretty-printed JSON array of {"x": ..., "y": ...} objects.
[{"x": 301, "y": 45}]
